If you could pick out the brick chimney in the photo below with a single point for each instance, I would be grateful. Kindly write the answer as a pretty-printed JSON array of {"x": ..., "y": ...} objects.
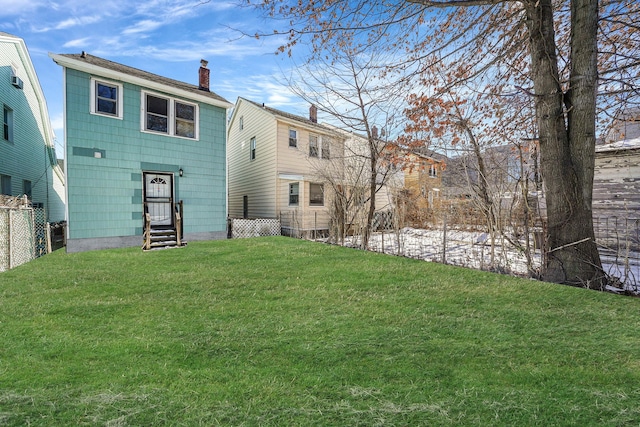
[
  {"x": 203, "y": 75},
  {"x": 313, "y": 113}
]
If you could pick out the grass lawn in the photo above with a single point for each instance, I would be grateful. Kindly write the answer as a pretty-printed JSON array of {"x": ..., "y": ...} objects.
[{"x": 284, "y": 332}]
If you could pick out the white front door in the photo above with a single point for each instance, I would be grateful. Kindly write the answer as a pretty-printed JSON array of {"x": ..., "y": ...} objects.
[{"x": 158, "y": 198}]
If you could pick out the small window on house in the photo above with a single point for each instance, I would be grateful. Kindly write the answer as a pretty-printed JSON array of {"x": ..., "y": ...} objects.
[
  {"x": 5, "y": 184},
  {"x": 241, "y": 123},
  {"x": 26, "y": 188},
  {"x": 185, "y": 120},
  {"x": 157, "y": 114},
  {"x": 293, "y": 138},
  {"x": 313, "y": 146},
  {"x": 433, "y": 171},
  {"x": 245, "y": 207},
  {"x": 316, "y": 194},
  {"x": 326, "y": 148},
  {"x": 8, "y": 124},
  {"x": 106, "y": 98},
  {"x": 252, "y": 148},
  {"x": 294, "y": 191}
]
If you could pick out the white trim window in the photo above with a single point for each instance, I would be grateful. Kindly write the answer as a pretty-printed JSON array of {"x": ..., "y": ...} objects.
[
  {"x": 156, "y": 114},
  {"x": 325, "y": 151},
  {"x": 185, "y": 119},
  {"x": 316, "y": 194},
  {"x": 319, "y": 146},
  {"x": 313, "y": 145},
  {"x": 106, "y": 98},
  {"x": 7, "y": 124},
  {"x": 293, "y": 138},
  {"x": 294, "y": 193},
  {"x": 433, "y": 171},
  {"x": 252, "y": 148},
  {"x": 161, "y": 114}
]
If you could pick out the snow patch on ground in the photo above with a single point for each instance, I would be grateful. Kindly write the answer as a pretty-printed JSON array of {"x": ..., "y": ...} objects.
[{"x": 473, "y": 249}]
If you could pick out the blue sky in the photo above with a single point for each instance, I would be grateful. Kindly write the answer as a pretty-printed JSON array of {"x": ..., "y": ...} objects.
[{"x": 164, "y": 37}]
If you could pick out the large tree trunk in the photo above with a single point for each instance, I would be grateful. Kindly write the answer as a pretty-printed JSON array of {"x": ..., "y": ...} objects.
[{"x": 567, "y": 141}]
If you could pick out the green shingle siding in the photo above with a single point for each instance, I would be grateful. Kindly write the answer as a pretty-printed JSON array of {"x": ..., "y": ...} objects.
[{"x": 105, "y": 194}]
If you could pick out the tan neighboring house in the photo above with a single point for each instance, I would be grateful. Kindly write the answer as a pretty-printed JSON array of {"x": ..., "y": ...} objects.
[
  {"x": 423, "y": 178},
  {"x": 280, "y": 165},
  {"x": 421, "y": 194}
]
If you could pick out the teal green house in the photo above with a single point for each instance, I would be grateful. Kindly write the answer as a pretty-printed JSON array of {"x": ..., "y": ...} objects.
[
  {"x": 28, "y": 164},
  {"x": 145, "y": 156}
]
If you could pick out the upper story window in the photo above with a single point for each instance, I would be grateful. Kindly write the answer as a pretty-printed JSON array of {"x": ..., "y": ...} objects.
[
  {"x": 433, "y": 171},
  {"x": 185, "y": 120},
  {"x": 241, "y": 123},
  {"x": 169, "y": 116},
  {"x": 7, "y": 124},
  {"x": 319, "y": 146},
  {"x": 326, "y": 148},
  {"x": 252, "y": 148},
  {"x": 313, "y": 146},
  {"x": 293, "y": 138},
  {"x": 106, "y": 98},
  {"x": 157, "y": 114}
]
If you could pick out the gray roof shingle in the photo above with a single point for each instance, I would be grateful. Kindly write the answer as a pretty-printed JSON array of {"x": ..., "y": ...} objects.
[
  {"x": 114, "y": 66},
  {"x": 290, "y": 116}
]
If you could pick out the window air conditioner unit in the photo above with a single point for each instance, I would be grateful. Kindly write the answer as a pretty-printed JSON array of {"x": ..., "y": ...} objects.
[{"x": 16, "y": 81}]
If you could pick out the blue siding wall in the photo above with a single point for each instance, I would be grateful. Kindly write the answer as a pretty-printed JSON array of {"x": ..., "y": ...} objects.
[
  {"x": 26, "y": 156},
  {"x": 105, "y": 194}
]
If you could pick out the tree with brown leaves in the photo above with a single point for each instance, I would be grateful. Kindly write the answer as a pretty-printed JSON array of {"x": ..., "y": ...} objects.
[{"x": 578, "y": 61}]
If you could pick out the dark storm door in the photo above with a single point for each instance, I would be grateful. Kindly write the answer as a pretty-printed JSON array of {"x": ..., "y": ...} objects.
[{"x": 158, "y": 198}]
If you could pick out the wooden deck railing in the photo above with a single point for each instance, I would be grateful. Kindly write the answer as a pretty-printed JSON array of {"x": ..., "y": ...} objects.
[
  {"x": 178, "y": 222},
  {"x": 146, "y": 235}
]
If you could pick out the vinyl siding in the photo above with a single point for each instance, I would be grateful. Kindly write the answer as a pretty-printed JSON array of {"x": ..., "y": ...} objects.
[
  {"x": 256, "y": 178},
  {"x": 26, "y": 157},
  {"x": 265, "y": 180},
  {"x": 616, "y": 184},
  {"x": 105, "y": 194}
]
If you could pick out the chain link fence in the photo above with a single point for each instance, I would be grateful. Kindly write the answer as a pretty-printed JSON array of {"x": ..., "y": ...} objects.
[
  {"x": 618, "y": 240},
  {"x": 25, "y": 233}
]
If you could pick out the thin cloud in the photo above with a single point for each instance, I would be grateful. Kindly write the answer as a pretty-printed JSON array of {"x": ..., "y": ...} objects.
[
  {"x": 77, "y": 42},
  {"x": 19, "y": 8},
  {"x": 144, "y": 26},
  {"x": 77, "y": 22}
]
